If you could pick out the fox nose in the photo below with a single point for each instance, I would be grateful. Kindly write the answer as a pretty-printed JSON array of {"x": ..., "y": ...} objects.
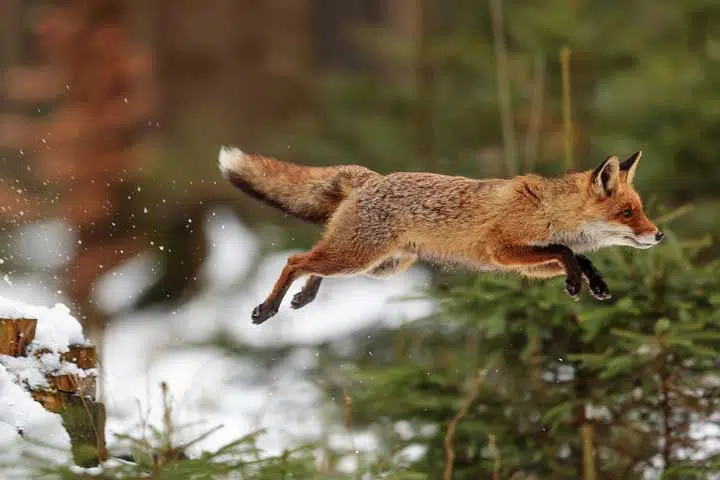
[{"x": 659, "y": 235}]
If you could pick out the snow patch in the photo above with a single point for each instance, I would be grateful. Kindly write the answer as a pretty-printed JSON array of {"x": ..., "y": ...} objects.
[
  {"x": 47, "y": 245},
  {"x": 56, "y": 327},
  {"x": 26, "y": 428},
  {"x": 233, "y": 247},
  {"x": 118, "y": 288}
]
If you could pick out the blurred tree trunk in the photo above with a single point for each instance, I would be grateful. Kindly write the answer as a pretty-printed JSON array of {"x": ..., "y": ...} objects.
[
  {"x": 8, "y": 35},
  {"x": 412, "y": 21},
  {"x": 248, "y": 75},
  {"x": 424, "y": 73}
]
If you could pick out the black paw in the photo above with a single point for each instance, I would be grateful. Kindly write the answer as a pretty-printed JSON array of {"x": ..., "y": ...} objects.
[
  {"x": 262, "y": 312},
  {"x": 301, "y": 299},
  {"x": 572, "y": 288},
  {"x": 599, "y": 289}
]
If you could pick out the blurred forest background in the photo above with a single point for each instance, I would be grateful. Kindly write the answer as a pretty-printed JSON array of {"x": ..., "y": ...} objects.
[{"x": 112, "y": 113}]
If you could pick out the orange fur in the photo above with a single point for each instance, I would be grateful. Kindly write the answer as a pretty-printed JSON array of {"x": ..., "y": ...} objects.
[{"x": 379, "y": 225}]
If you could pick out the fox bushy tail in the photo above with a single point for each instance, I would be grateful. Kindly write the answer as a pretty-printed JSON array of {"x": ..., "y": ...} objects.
[{"x": 308, "y": 193}]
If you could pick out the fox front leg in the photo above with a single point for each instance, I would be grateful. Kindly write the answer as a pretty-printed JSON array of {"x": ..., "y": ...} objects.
[
  {"x": 523, "y": 257},
  {"x": 598, "y": 287}
]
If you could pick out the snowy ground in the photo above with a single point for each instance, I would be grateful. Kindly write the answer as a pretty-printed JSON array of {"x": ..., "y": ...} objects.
[
  {"x": 25, "y": 426},
  {"x": 207, "y": 387}
]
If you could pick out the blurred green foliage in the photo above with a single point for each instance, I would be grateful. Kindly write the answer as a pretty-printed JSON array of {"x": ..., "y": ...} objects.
[{"x": 641, "y": 370}]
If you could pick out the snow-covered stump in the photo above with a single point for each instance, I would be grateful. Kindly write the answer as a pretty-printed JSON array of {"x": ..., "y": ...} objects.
[
  {"x": 15, "y": 334},
  {"x": 72, "y": 395},
  {"x": 58, "y": 372}
]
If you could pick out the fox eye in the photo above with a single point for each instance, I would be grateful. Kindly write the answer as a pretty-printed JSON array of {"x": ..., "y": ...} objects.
[{"x": 627, "y": 213}]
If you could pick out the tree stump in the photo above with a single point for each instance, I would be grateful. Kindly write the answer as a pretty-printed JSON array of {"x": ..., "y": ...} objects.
[
  {"x": 15, "y": 335},
  {"x": 71, "y": 395}
]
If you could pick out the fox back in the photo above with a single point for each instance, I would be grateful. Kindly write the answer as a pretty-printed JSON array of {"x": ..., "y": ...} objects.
[{"x": 455, "y": 217}]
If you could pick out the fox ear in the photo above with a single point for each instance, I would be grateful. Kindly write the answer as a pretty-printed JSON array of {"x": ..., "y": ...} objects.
[
  {"x": 628, "y": 167},
  {"x": 605, "y": 178}
]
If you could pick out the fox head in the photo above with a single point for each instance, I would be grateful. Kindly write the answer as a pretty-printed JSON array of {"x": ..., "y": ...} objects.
[{"x": 615, "y": 211}]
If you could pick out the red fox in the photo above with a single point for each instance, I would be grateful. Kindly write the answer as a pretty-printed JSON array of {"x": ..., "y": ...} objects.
[{"x": 379, "y": 225}]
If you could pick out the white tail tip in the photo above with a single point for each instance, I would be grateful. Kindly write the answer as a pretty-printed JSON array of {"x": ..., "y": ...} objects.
[{"x": 229, "y": 158}]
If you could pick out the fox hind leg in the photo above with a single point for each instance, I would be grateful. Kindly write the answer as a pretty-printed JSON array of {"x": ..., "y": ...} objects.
[
  {"x": 293, "y": 269},
  {"x": 389, "y": 266},
  {"x": 324, "y": 260},
  {"x": 341, "y": 251},
  {"x": 308, "y": 292}
]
